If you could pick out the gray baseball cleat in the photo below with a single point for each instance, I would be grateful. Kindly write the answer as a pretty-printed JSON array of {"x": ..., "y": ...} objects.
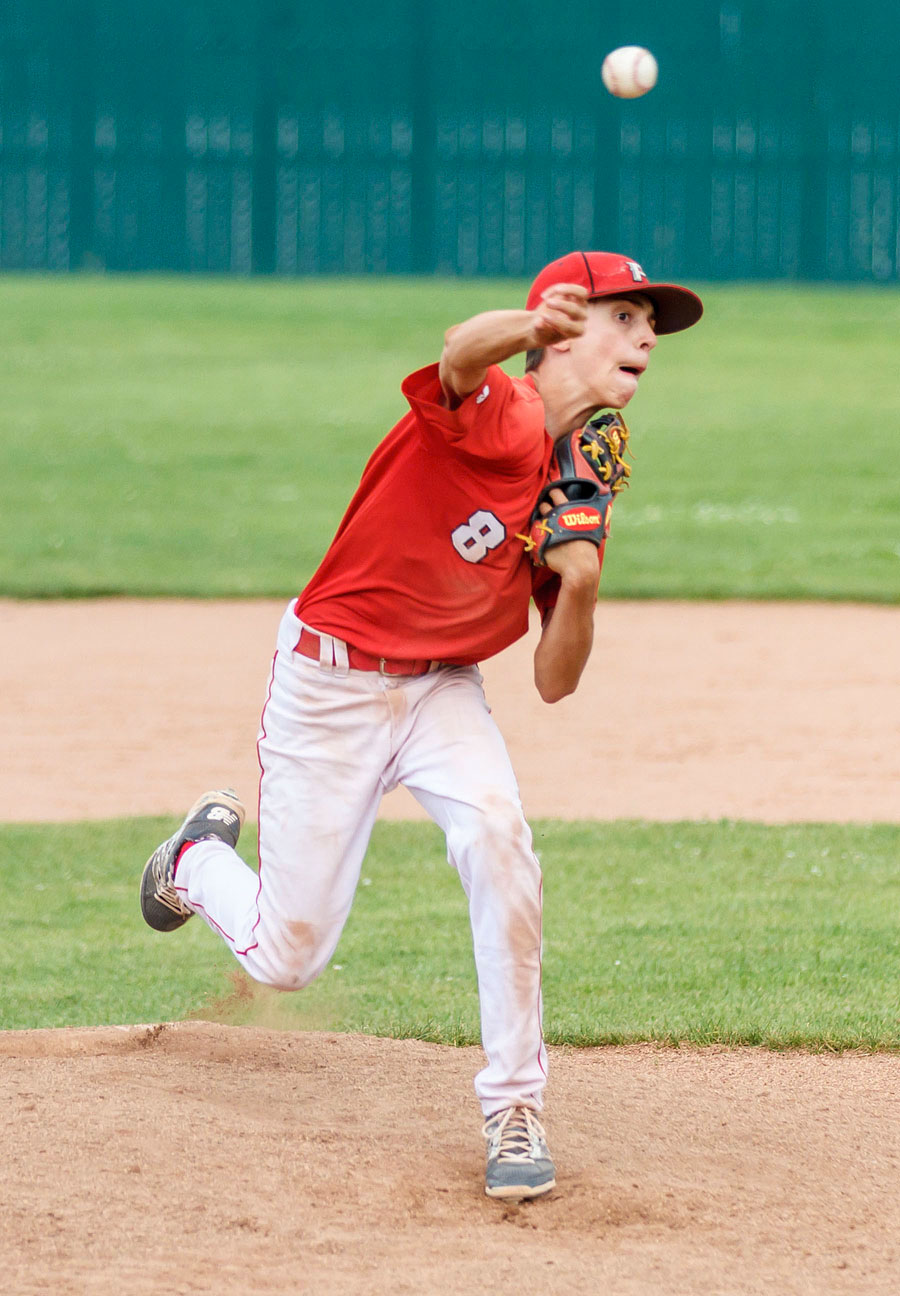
[
  {"x": 518, "y": 1160},
  {"x": 217, "y": 815}
]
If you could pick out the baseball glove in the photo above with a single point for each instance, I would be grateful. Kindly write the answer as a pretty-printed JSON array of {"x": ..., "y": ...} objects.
[{"x": 588, "y": 466}]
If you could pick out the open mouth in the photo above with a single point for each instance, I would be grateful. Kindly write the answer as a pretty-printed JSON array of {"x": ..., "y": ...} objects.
[{"x": 631, "y": 369}]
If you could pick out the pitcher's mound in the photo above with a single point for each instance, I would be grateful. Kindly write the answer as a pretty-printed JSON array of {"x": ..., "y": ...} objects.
[{"x": 204, "y": 1158}]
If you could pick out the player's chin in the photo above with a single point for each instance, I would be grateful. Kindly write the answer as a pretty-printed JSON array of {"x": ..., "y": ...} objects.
[
  {"x": 619, "y": 391},
  {"x": 618, "y": 399}
]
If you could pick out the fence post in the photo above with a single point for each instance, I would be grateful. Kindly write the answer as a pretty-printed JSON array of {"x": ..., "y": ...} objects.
[
  {"x": 173, "y": 154},
  {"x": 814, "y": 165},
  {"x": 265, "y": 143},
  {"x": 82, "y": 55},
  {"x": 422, "y": 161},
  {"x": 606, "y": 177}
]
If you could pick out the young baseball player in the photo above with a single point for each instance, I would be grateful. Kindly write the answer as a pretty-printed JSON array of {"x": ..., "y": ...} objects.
[{"x": 375, "y": 679}]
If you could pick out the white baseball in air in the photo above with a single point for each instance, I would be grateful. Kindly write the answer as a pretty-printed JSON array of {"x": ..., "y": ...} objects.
[{"x": 629, "y": 71}]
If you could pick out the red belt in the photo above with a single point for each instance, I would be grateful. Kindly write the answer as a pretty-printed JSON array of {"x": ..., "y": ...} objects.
[{"x": 308, "y": 646}]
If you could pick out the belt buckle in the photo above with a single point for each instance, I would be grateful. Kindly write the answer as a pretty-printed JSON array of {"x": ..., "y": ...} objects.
[{"x": 383, "y": 670}]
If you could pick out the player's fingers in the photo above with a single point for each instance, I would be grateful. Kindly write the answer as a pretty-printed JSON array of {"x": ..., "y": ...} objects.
[
  {"x": 558, "y": 323},
  {"x": 572, "y": 303},
  {"x": 554, "y": 325},
  {"x": 557, "y": 496},
  {"x": 576, "y": 292}
]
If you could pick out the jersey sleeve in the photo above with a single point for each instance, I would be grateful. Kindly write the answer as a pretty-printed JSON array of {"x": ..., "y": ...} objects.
[
  {"x": 503, "y": 421},
  {"x": 544, "y": 590}
]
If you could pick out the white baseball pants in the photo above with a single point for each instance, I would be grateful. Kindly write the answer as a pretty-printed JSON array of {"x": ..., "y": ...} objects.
[{"x": 331, "y": 742}]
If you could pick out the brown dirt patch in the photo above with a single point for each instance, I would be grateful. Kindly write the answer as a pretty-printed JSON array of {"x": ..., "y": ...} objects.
[
  {"x": 209, "y": 1158},
  {"x": 206, "y": 1158}
]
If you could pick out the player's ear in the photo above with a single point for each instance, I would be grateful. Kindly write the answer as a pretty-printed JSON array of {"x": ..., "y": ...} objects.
[{"x": 563, "y": 345}]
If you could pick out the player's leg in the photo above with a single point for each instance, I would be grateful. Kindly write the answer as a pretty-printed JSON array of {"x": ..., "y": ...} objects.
[
  {"x": 455, "y": 762},
  {"x": 323, "y": 744}
]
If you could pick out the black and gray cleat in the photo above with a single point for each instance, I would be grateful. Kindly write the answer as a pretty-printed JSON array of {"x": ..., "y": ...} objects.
[
  {"x": 215, "y": 815},
  {"x": 518, "y": 1160}
]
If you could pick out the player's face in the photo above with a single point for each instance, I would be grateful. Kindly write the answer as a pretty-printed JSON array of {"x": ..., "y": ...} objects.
[{"x": 614, "y": 349}]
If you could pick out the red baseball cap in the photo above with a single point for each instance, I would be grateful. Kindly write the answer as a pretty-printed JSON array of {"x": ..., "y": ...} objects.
[{"x": 607, "y": 274}]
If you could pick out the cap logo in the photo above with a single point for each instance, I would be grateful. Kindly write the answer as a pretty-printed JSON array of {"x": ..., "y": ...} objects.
[{"x": 637, "y": 273}]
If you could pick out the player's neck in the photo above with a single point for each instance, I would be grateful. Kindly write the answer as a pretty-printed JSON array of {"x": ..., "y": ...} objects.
[{"x": 565, "y": 407}]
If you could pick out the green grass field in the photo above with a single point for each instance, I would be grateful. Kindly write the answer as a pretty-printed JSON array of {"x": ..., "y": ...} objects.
[
  {"x": 202, "y": 436},
  {"x": 706, "y": 933}
]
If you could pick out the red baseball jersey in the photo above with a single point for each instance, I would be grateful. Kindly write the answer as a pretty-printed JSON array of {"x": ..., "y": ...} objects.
[{"x": 426, "y": 562}]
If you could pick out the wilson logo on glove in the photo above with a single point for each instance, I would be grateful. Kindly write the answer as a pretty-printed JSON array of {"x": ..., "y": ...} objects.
[{"x": 581, "y": 520}]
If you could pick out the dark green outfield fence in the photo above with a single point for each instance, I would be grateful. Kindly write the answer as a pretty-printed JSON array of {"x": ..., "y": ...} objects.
[{"x": 472, "y": 137}]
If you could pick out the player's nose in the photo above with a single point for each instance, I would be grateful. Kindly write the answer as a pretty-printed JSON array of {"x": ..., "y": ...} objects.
[{"x": 648, "y": 339}]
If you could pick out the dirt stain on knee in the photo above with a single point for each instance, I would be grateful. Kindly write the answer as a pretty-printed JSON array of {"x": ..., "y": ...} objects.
[
  {"x": 301, "y": 938},
  {"x": 517, "y": 891}
]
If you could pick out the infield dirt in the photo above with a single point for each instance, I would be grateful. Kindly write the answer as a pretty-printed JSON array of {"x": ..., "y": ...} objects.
[
  {"x": 769, "y": 711},
  {"x": 200, "y": 1157}
]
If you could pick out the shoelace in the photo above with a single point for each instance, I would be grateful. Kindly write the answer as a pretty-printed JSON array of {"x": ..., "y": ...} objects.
[{"x": 514, "y": 1134}]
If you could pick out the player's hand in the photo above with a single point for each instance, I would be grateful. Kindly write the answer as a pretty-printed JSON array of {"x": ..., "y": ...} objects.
[
  {"x": 576, "y": 560},
  {"x": 562, "y": 314}
]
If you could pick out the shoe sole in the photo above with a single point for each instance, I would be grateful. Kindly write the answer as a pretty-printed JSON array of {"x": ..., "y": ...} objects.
[
  {"x": 521, "y": 1193},
  {"x": 156, "y": 914}
]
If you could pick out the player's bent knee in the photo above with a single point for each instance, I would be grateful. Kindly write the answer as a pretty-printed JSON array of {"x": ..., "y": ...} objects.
[{"x": 296, "y": 953}]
